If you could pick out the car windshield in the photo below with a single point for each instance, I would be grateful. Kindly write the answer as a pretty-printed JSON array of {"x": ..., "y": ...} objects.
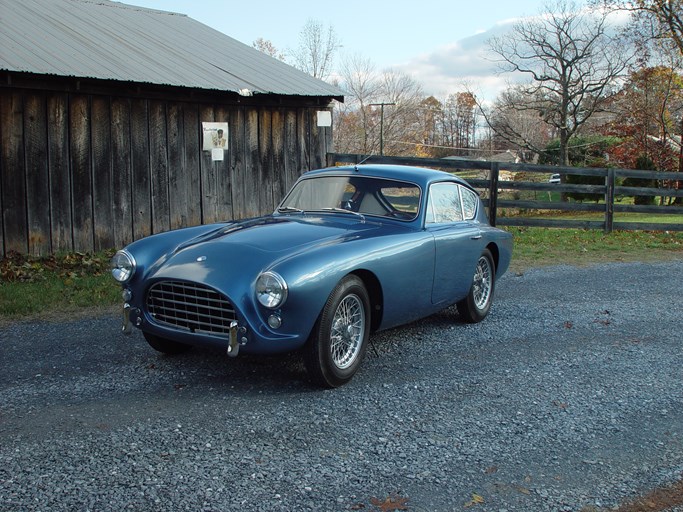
[{"x": 354, "y": 194}]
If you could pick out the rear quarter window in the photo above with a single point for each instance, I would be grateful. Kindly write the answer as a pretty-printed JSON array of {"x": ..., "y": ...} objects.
[{"x": 470, "y": 201}]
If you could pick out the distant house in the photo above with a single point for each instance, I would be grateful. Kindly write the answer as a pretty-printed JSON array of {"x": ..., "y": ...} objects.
[
  {"x": 110, "y": 117},
  {"x": 508, "y": 156}
]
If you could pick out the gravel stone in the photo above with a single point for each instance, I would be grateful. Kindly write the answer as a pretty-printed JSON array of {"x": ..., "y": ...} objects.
[{"x": 569, "y": 395}]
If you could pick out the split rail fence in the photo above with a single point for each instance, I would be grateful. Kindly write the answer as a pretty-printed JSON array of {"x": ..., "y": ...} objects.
[{"x": 493, "y": 186}]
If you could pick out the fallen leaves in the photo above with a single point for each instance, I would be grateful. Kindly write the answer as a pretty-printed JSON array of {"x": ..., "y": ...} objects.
[
  {"x": 561, "y": 405},
  {"x": 390, "y": 504},
  {"x": 604, "y": 321},
  {"x": 664, "y": 498},
  {"x": 19, "y": 267},
  {"x": 522, "y": 490},
  {"x": 476, "y": 500}
]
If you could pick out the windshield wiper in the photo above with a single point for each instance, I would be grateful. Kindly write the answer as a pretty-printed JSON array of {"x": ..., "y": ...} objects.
[
  {"x": 289, "y": 209},
  {"x": 344, "y": 210}
]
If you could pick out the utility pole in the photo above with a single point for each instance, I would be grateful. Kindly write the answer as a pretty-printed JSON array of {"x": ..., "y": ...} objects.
[{"x": 381, "y": 124}]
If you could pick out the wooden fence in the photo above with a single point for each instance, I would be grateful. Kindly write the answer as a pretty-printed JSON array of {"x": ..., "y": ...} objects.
[{"x": 606, "y": 194}]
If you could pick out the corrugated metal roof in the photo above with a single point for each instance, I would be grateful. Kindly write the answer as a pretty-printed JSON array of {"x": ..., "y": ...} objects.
[{"x": 114, "y": 41}]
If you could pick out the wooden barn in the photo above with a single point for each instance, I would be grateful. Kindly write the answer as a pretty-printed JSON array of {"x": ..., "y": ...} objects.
[{"x": 117, "y": 122}]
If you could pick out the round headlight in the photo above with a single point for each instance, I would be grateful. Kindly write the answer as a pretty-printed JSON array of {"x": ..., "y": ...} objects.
[
  {"x": 122, "y": 266},
  {"x": 271, "y": 290}
]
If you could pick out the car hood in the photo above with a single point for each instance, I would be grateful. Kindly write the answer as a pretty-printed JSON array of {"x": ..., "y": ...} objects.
[
  {"x": 257, "y": 244},
  {"x": 281, "y": 234}
]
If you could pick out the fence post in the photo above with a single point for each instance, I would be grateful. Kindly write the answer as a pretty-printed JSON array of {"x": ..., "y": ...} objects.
[
  {"x": 610, "y": 179},
  {"x": 493, "y": 192}
]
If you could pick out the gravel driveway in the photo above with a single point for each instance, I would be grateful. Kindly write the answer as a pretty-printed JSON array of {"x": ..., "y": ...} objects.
[{"x": 568, "y": 396}]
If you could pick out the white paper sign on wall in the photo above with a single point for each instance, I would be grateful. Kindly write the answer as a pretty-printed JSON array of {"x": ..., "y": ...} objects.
[{"x": 324, "y": 118}]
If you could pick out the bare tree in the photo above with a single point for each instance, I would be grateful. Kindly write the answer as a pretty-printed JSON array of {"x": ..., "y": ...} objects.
[
  {"x": 430, "y": 120},
  {"x": 654, "y": 19},
  {"x": 514, "y": 117},
  {"x": 572, "y": 62},
  {"x": 403, "y": 94},
  {"x": 361, "y": 126},
  {"x": 458, "y": 126},
  {"x": 353, "y": 124},
  {"x": 266, "y": 46},
  {"x": 668, "y": 16},
  {"x": 317, "y": 48}
]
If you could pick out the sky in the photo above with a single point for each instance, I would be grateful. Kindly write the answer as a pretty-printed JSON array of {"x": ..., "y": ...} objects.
[{"x": 438, "y": 42}]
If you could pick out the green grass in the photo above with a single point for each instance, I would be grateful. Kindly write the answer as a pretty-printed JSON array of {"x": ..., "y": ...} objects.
[
  {"x": 58, "y": 285},
  {"x": 56, "y": 294},
  {"x": 578, "y": 215},
  {"x": 618, "y": 217},
  {"x": 643, "y": 218},
  {"x": 545, "y": 246},
  {"x": 73, "y": 284}
]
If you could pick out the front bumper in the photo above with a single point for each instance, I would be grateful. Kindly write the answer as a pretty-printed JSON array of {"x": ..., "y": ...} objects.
[
  {"x": 237, "y": 335},
  {"x": 241, "y": 336}
]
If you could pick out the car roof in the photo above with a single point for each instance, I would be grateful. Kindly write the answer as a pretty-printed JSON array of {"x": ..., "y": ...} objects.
[{"x": 421, "y": 176}]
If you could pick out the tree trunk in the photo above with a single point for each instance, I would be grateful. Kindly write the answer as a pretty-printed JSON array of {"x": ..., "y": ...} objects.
[{"x": 564, "y": 148}]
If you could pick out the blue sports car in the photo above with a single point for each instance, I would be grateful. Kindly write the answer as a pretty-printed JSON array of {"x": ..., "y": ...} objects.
[{"x": 349, "y": 251}]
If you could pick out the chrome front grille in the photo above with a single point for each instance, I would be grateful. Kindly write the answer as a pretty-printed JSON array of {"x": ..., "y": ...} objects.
[{"x": 190, "y": 307}]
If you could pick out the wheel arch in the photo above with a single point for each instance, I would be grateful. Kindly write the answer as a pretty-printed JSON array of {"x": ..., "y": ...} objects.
[
  {"x": 495, "y": 253},
  {"x": 374, "y": 288}
]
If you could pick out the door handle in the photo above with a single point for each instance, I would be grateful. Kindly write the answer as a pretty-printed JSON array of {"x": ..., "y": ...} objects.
[{"x": 475, "y": 237}]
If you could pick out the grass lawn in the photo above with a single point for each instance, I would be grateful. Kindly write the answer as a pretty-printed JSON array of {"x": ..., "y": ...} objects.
[
  {"x": 546, "y": 246},
  {"x": 618, "y": 217},
  {"x": 59, "y": 285}
]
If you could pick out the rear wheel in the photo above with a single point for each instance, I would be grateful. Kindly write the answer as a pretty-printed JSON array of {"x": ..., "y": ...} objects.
[
  {"x": 477, "y": 304},
  {"x": 164, "y": 345},
  {"x": 340, "y": 336}
]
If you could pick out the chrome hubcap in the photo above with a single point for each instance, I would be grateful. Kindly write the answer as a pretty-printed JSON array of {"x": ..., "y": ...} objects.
[
  {"x": 483, "y": 282},
  {"x": 348, "y": 327}
]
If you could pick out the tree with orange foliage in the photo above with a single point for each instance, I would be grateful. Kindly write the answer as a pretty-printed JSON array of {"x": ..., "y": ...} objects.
[{"x": 650, "y": 112}]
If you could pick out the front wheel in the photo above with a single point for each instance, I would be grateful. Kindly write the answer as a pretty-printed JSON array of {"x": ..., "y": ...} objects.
[
  {"x": 340, "y": 336},
  {"x": 477, "y": 304},
  {"x": 165, "y": 346}
]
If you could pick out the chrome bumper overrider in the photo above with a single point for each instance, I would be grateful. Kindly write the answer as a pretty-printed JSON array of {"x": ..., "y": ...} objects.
[
  {"x": 234, "y": 345},
  {"x": 127, "y": 326}
]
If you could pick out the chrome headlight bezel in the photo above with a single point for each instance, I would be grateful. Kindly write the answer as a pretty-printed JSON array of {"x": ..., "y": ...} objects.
[
  {"x": 123, "y": 266},
  {"x": 271, "y": 290}
]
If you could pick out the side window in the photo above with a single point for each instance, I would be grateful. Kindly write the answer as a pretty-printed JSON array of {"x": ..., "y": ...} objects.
[
  {"x": 469, "y": 203},
  {"x": 444, "y": 203}
]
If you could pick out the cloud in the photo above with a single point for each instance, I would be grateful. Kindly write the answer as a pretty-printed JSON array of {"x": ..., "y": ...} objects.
[
  {"x": 469, "y": 64},
  {"x": 465, "y": 63}
]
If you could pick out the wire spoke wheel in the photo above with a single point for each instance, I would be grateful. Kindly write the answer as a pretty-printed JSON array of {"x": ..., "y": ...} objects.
[
  {"x": 348, "y": 328},
  {"x": 337, "y": 344},
  {"x": 483, "y": 283},
  {"x": 477, "y": 304}
]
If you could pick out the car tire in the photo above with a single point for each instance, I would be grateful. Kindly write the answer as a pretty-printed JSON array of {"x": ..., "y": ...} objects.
[
  {"x": 165, "y": 346},
  {"x": 476, "y": 305},
  {"x": 339, "y": 339}
]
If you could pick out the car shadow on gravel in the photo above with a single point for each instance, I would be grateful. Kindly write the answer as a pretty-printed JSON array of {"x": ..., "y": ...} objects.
[
  {"x": 202, "y": 367},
  {"x": 283, "y": 373}
]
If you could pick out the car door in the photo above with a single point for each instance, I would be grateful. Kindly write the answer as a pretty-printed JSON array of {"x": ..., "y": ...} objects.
[{"x": 457, "y": 240}]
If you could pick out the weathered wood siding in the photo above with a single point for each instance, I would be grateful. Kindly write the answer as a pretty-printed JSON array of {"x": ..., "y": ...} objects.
[{"x": 86, "y": 172}]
